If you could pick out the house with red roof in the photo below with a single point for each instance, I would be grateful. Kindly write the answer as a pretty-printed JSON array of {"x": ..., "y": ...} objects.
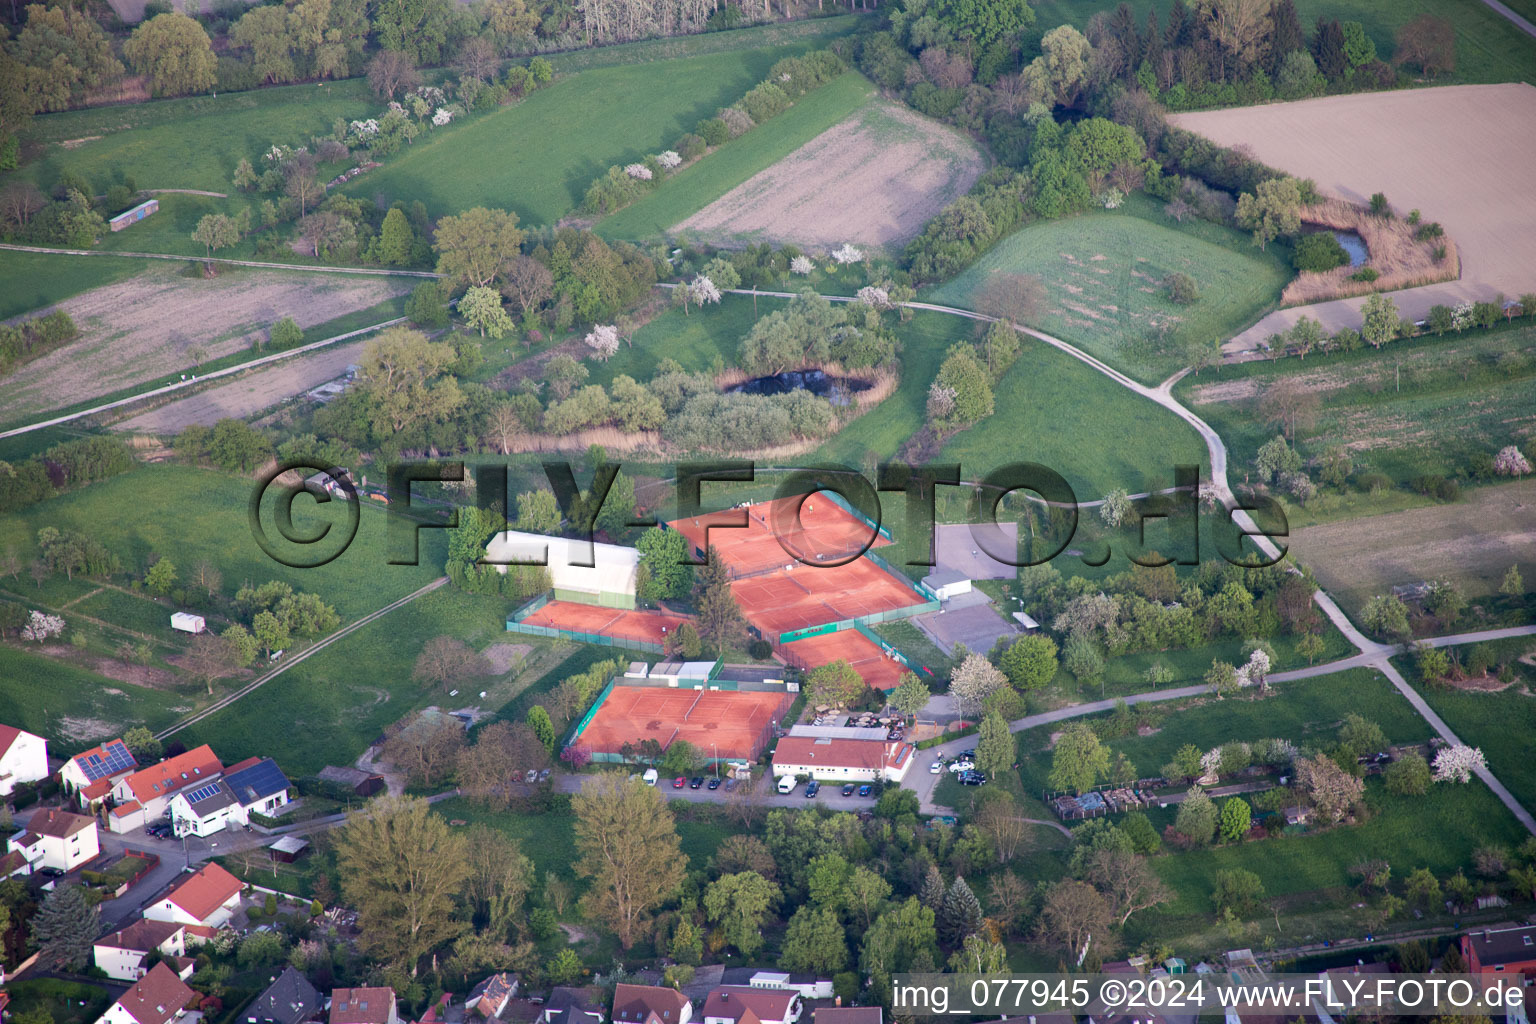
[
  {"x": 23, "y": 758},
  {"x": 364, "y": 1006},
  {"x": 832, "y": 758},
  {"x": 121, "y": 954},
  {"x": 57, "y": 839},
  {"x": 745, "y": 1004},
  {"x": 91, "y": 774},
  {"x": 203, "y": 900},
  {"x": 159, "y": 997},
  {"x": 145, "y": 795},
  {"x": 650, "y": 1004}
]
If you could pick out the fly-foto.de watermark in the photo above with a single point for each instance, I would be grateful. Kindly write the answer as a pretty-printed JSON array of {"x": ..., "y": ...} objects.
[{"x": 1175, "y": 514}]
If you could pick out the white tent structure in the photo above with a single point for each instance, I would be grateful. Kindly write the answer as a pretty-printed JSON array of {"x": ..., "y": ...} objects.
[
  {"x": 187, "y": 622},
  {"x": 609, "y": 581}
]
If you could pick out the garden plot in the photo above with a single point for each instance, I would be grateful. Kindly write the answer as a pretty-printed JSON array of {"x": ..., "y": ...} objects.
[
  {"x": 149, "y": 325},
  {"x": 1461, "y": 155},
  {"x": 896, "y": 169}
]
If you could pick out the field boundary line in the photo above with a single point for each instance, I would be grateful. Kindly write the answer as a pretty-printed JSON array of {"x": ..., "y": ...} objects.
[
  {"x": 179, "y": 385},
  {"x": 262, "y": 680},
  {"x": 222, "y": 260}
]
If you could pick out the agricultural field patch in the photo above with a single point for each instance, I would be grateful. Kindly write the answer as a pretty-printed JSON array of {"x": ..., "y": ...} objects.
[
  {"x": 1104, "y": 275},
  {"x": 35, "y": 280},
  {"x": 150, "y": 324},
  {"x": 72, "y": 706},
  {"x": 875, "y": 178}
]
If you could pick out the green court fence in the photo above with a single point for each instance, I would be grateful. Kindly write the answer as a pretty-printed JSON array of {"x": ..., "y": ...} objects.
[{"x": 515, "y": 624}]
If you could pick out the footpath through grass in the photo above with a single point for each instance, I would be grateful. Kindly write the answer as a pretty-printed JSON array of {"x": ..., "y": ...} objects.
[
  {"x": 695, "y": 187},
  {"x": 1104, "y": 275}
]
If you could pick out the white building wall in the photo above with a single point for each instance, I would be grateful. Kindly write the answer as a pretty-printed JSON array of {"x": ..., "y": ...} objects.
[{"x": 26, "y": 761}]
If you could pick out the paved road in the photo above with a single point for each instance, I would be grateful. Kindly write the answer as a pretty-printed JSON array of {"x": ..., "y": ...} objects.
[
  {"x": 320, "y": 645},
  {"x": 223, "y": 261},
  {"x": 1519, "y": 22}
]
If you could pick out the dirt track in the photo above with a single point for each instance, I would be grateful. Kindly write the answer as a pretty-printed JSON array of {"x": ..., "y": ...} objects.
[
  {"x": 147, "y": 326},
  {"x": 1462, "y": 155},
  {"x": 248, "y": 395},
  {"x": 875, "y": 178}
]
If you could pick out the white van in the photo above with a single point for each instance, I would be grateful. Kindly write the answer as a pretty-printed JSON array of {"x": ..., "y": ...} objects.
[
  {"x": 650, "y": 776},
  {"x": 787, "y": 784}
]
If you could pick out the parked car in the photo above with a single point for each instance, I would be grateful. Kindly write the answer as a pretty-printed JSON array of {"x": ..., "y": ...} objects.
[
  {"x": 967, "y": 755},
  {"x": 714, "y": 783},
  {"x": 544, "y": 775},
  {"x": 696, "y": 782},
  {"x": 937, "y": 768},
  {"x": 848, "y": 789},
  {"x": 50, "y": 872},
  {"x": 812, "y": 788},
  {"x": 730, "y": 783},
  {"x": 972, "y": 779},
  {"x": 866, "y": 790},
  {"x": 679, "y": 782},
  {"x": 961, "y": 767}
]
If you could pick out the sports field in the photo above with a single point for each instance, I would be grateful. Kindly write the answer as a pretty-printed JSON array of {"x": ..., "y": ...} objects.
[
  {"x": 1104, "y": 275},
  {"x": 538, "y": 157},
  {"x": 772, "y": 534},
  {"x": 873, "y": 665},
  {"x": 647, "y": 627},
  {"x": 720, "y": 723}
]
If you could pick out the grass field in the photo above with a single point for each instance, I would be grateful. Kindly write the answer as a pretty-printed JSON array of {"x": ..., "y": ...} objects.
[
  {"x": 1488, "y": 48},
  {"x": 538, "y": 157},
  {"x": 1103, "y": 274},
  {"x": 34, "y": 279},
  {"x": 71, "y": 706},
  {"x": 1473, "y": 541},
  {"x": 1498, "y": 723},
  {"x": 695, "y": 187},
  {"x": 1424, "y": 405}
]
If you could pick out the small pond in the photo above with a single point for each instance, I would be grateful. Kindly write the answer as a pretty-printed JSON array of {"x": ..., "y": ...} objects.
[
  {"x": 837, "y": 390},
  {"x": 1353, "y": 244}
]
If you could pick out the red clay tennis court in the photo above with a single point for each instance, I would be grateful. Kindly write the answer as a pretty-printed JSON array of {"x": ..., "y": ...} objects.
[
  {"x": 872, "y": 664},
  {"x": 618, "y": 623},
  {"x": 807, "y": 596},
  {"x": 721, "y": 723},
  {"x": 823, "y": 527}
]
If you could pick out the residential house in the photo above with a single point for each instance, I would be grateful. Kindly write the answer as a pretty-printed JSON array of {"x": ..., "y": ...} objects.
[
  {"x": 650, "y": 1004},
  {"x": 843, "y": 760},
  {"x": 204, "y": 900},
  {"x": 205, "y": 810},
  {"x": 364, "y": 1006},
  {"x": 1500, "y": 950},
  {"x": 259, "y": 784},
  {"x": 491, "y": 996},
  {"x": 850, "y": 1015},
  {"x": 289, "y": 999},
  {"x": 743, "y": 1004},
  {"x": 122, "y": 953},
  {"x": 14, "y": 864},
  {"x": 145, "y": 795},
  {"x": 569, "y": 1004},
  {"x": 159, "y": 997},
  {"x": 23, "y": 758},
  {"x": 57, "y": 839},
  {"x": 91, "y": 774}
]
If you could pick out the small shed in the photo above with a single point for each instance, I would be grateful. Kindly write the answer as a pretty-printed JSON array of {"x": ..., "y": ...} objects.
[
  {"x": 363, "y": 783},
  {"x": 336, "y": 482},
  {"x": 1025, "y": 621},
  {"x": 288, "y": 849},
  {"x": 947, "y": 583},
  {"x": 187, "y": 622},
  {"x": 130, "y": 217}
]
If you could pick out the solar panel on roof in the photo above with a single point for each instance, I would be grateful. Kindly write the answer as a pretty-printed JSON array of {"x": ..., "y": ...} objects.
[
  {"x": 113, "y": 758},
  {"x": 203, "y": 792},
  {"x": 259, "y": 780}
]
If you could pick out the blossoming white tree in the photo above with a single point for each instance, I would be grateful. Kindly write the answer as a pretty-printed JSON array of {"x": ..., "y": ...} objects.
[
  {"x": 1456, "y": 764},
  {"x": 1116, "y": 508},
  {"x": 848, "y": 254},
  {"x": 40, "y": 626},
  {"x": 701, "y": 290},
  {"x": 801, "y": 265},
  {"x": 1256, "y": 671},
  {"x": 639, "y": 172},
  {"x": 873, "y": 295},
  {"x": 669, "y": 159},
  {"x": 1510, "y": 462},
  {"x": 941, "y": 401},
  {"x": 441, "y": 116},
  {"x": 1210, "y": 763},
  {"x": 604, "y": 340}
]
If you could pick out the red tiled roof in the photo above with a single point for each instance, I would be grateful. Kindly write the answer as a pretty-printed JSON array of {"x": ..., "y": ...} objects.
[
  {"x": 361, "y": 1005},
  {"x": 840, "y": 753},
  {"x": 123, "y": 810},
  {"x": 143, "y": 935},
  {"x": 157, "y": 997},
  {"x": 101, "y": 751},
  {"x": 204, "y": 891},
  {"x": 736, "y": 1001},
  {"x": 11, "y": 862},
  {"x": 59, "y": 824},
  {"x": 242, "y": 765},
  {"x": 633, "y": 1004},
  {"x": 8, "y": 735},
  {"x": 165, "y": 778},
  {"x": 97, "y": 789}
]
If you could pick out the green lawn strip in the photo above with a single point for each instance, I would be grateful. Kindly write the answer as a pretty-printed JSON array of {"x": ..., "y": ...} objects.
[
  {"x": 547, "y": 839},
  {"x": 696, "y": 186},
  {"x": 583, "y": 124},
  {"x": 330, "y": 707},
  {"x": 1103, "y": 272},
  {"x": 1489, "y": 48},
  {"x": 130, "y": 611},
  {"x": 34, "y": 280},
  {"x": 811, "y": 33},
  {"x": 698, "y": 340},
  {"x": 74, "y": 707},
  {"x": 189, "y": 514},
  {"x": 389, "y": 309}
]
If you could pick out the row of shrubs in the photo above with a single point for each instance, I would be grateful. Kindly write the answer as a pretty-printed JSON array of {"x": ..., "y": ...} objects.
[
  {"x": 23, "y": 342},
  {"x": 787, "y": 81},
  {"x": 73, "y": 462}
]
